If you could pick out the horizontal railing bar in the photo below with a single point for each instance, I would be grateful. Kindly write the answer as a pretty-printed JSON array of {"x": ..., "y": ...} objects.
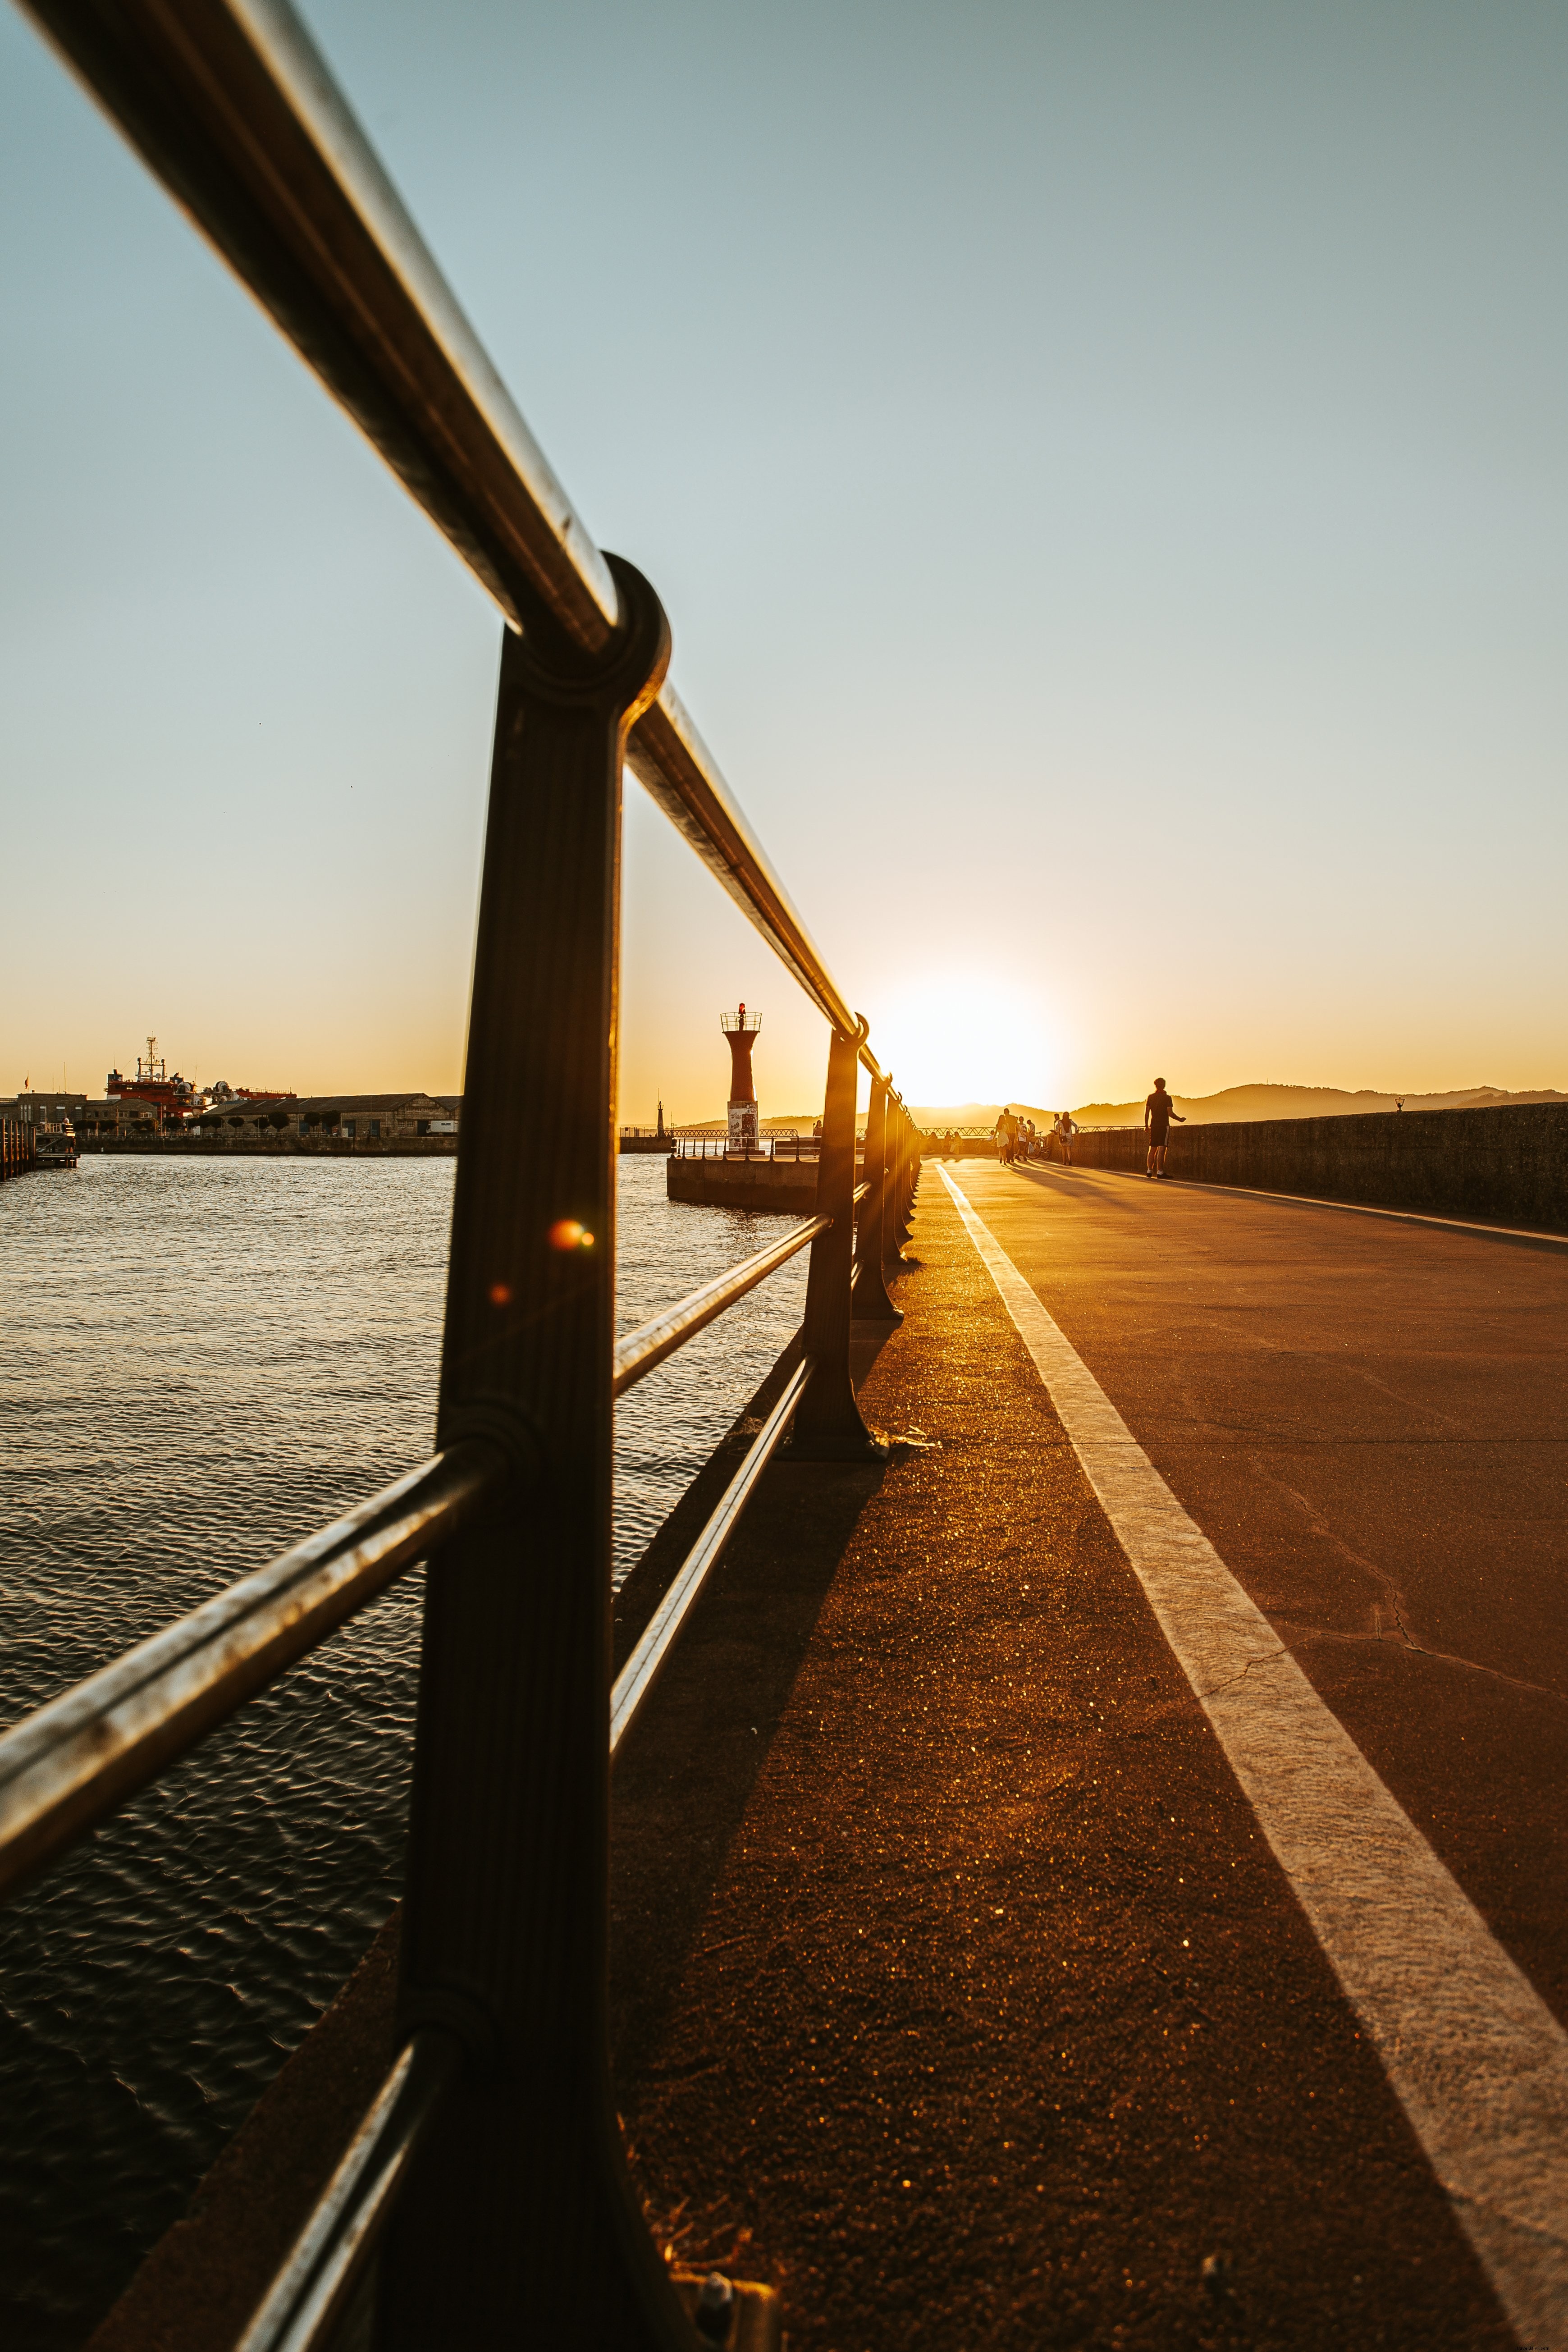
[
  {"x": 675, "y": 767},
  {"x": 641, "y": 1350},
  {"x": 81, "y": 1754},
  {"x": 236, "y": 112},
  {"x": 329, "y": 2254},
  {"x": 323, "y": 2265},
  {"x": 328, "y": 2257},
  {"x": 643, "y": 1668},
  {"x": 234, "y": 108}
]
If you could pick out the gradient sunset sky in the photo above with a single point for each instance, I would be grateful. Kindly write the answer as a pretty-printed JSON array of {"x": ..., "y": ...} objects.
[{"x": 1104, "y": 464}]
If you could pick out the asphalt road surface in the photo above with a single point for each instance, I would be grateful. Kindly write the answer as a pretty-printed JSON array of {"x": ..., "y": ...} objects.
[
  {"x": 957, "y": 1989},
  {"x": 1369, "y": 1420},
  {"x": 964, "y": 1984}
]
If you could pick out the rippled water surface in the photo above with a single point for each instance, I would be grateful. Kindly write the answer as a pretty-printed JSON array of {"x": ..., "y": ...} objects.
[{"x": 200, "y": 1364}]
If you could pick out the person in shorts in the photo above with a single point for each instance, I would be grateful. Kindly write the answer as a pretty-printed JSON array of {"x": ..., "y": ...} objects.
[
  {"x": 1064, "y": 1131},
  {"x": 1158, "y": 1112}
]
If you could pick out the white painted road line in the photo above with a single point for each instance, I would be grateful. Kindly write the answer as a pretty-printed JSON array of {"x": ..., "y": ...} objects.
[{"x": 1479, "y": 2062}]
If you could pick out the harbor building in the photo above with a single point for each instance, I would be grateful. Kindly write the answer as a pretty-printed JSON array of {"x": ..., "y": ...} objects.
[
  {"x": 31, "y": 1109},
  {"x": 351, "y": 1119}
]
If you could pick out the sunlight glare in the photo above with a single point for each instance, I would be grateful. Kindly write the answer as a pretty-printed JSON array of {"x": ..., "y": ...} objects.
[{"x": 966, "y": 1036}]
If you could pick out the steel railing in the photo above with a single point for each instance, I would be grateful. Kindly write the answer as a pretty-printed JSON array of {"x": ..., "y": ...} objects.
[
  {"x": 232, "y": 105},
  {"x": 786, "y": 1150},
  {"x": 76, "y": 1759},
  {"x": 233, "y": 108},
  {"x": 640, "y": 1351}
]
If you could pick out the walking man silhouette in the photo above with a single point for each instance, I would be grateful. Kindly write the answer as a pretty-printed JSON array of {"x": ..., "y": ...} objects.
[{"x": 1158, "y": 1113}]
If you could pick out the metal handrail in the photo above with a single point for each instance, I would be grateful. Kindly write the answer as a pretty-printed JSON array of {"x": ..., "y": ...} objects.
[
  {"x": 319, "y": 2273},
  {"x": 643, "y": 1668},
  {"x": 671, "y": 760},
  {"x": 234, "y": 109},
  {"x": 641, "y": 1350},
  {"x": 781, "y": 1152},
  {"x": 73, "y": 1760},
  {"x": 76, "y": 1759}
]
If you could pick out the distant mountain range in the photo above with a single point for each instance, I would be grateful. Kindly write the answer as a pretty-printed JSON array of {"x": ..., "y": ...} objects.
[
  {"x": 1265, "y": 1101},
  {"x": 1257, "y": 1101}
]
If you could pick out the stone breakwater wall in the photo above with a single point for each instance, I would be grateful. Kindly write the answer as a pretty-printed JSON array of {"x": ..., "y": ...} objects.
[{"x": 1504, "y": 1164}]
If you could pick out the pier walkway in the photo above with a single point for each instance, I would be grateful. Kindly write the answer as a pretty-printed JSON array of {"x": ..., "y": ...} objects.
[
  {"x": 964, "y": 1979},
  {"x": 1085, "y": 1875}
]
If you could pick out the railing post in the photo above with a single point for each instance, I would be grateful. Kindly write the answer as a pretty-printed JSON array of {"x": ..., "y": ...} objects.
[
  {"x": 871, "y": 1302},
  {"x": 828, "y": 1423},
  {"x": 893, "y": 1221},
  {"x": 910, "y": 1174},
  {"x": 516, "y": 2225}
]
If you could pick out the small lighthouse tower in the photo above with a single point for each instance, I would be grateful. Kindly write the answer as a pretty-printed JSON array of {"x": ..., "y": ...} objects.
[{"x": 740, "y": 1028}]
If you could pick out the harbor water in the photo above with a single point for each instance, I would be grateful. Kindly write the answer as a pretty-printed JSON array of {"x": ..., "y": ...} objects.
[{"x": 203, "y": 1362}]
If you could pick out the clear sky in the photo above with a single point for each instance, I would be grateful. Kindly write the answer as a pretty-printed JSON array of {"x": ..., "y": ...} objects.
[{"x": 1104, "y": 464}]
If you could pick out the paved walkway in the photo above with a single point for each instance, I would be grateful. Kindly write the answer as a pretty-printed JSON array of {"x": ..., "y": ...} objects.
[
  {"x": 959, "y": 1987},
  {"x": 1369, "y": 1421}
]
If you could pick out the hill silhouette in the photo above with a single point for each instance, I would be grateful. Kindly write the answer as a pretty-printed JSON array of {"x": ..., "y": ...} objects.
[
  {"x": 1269, "y": 1100},
  {"x": 1259, "y": 1099}
]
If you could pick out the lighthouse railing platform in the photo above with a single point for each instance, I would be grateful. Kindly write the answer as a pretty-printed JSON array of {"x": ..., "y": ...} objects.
[
  {"x": 486, "y": 2176},
  {"x": 783, "y": 1144}
]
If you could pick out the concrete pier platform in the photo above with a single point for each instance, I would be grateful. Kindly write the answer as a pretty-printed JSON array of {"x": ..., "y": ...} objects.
[
  {"x": 957, "y": 1992},
  {"x": 961, "y": 1987}
]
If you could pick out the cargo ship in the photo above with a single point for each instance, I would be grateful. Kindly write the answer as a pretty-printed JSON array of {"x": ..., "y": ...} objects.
[{"x": 173, "y": 1098}]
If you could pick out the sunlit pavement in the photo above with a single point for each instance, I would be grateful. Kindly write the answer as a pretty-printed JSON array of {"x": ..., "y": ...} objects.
[
  {"x": 956, "y": 1989},
  {"x": 1369, "y": 1419}
]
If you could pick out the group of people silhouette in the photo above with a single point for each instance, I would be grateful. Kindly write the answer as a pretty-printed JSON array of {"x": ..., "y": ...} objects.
[{"x": 1019, "y": 1138}]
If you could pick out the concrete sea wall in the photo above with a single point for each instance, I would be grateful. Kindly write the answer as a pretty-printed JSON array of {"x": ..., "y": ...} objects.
[
  {"x": 1502, "y": 1164},
  {"x": 788, "y": 1186}
]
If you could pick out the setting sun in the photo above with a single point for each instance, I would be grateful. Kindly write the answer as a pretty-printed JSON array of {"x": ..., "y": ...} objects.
[{"x": 970, "y": 1036}]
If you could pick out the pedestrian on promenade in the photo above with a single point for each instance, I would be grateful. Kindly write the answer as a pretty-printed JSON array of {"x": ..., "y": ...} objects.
[
  {"x": 1158, "y": 1112},
  {"x": 1005, "y": 1136},
  {"x": 1064, "y": 1131}
]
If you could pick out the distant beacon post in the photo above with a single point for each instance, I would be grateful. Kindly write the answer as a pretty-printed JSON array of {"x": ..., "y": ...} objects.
[{"x": 741, "y": 1027}]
